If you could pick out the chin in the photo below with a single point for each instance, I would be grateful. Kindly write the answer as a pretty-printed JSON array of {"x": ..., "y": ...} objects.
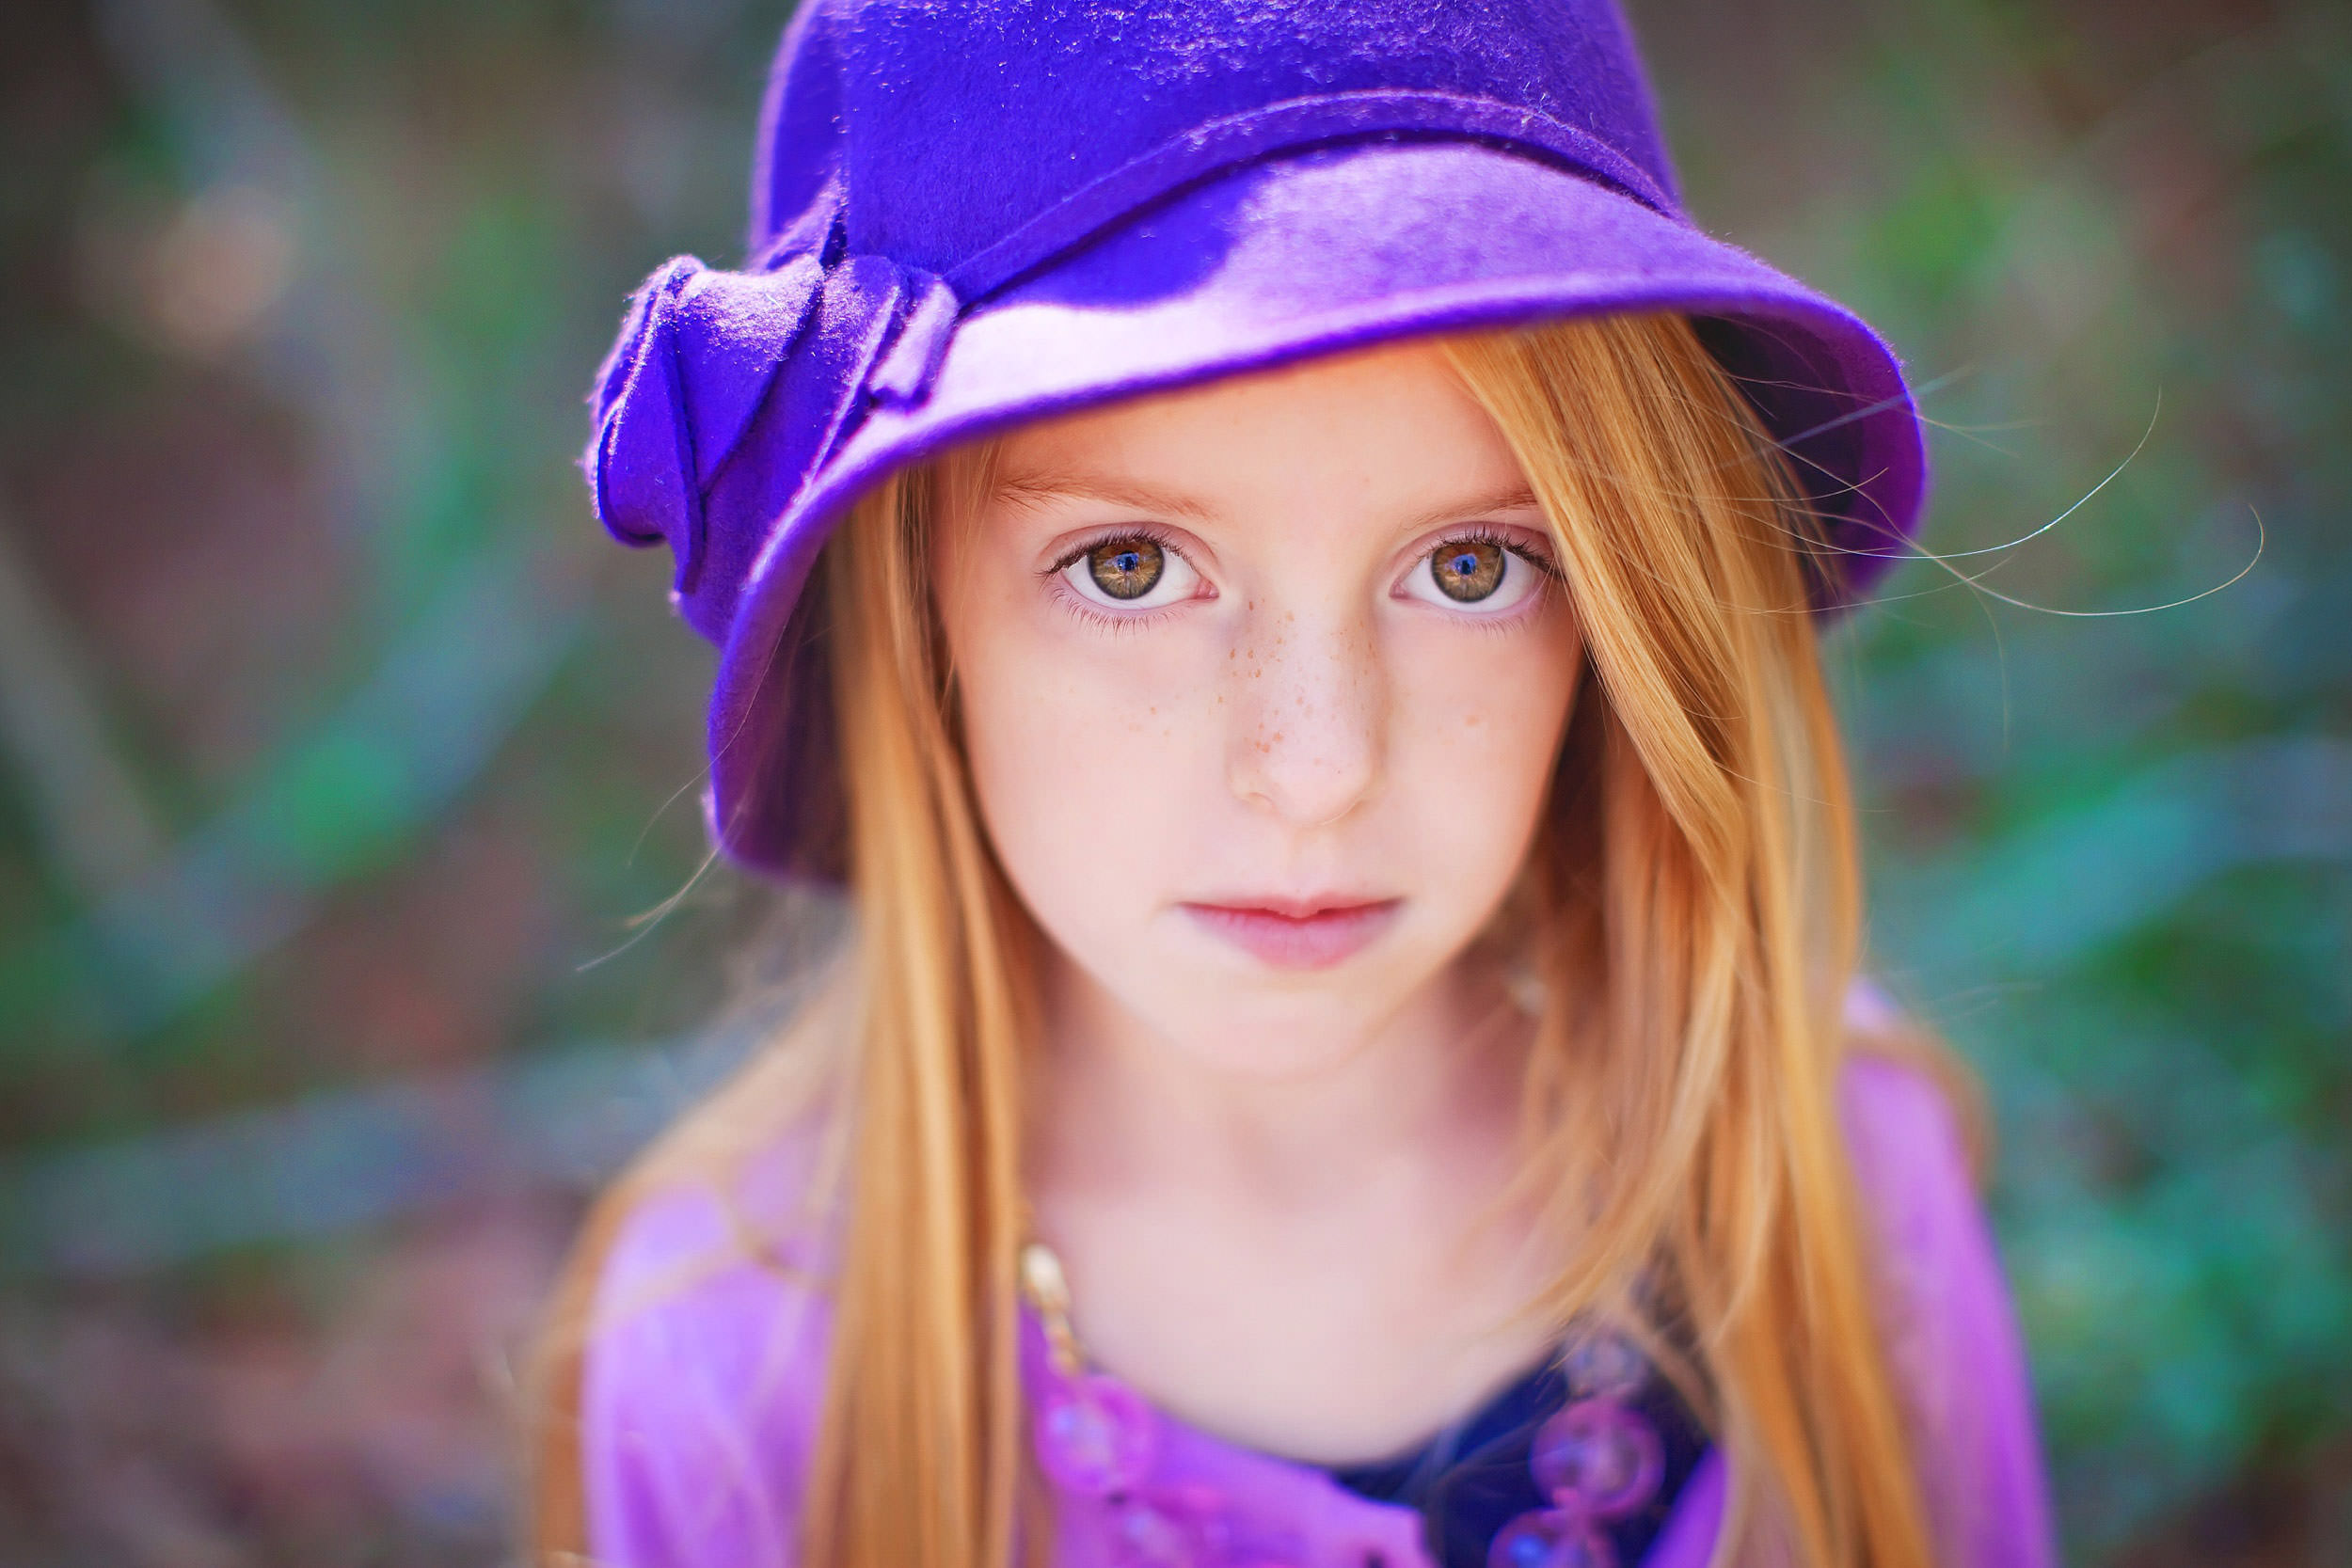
[
  {"x": 1292, "y": 1032},
  {"x": 1273, "y": 1057}
]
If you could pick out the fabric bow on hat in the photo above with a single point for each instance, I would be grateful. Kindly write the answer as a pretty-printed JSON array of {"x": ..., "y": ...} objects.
[{"x": 799, "y": 351}]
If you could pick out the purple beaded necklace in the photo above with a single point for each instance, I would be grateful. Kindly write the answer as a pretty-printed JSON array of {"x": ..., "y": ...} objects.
[
  {"x": 1096, "y": 1437},
  {"x": 1596, "y": 1460}
]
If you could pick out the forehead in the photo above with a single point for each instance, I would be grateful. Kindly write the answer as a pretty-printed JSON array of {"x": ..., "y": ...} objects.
[{"x": 1395, "y": 418}]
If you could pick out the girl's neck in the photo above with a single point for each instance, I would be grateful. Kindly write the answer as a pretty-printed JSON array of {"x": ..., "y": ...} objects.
[
  {"x": 1322, "y": 1265},
  {"x": 1123, "y": 1109}
]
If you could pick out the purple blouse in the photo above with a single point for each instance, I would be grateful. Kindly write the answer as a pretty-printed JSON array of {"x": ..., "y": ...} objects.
[{"x": 701, "y": 1385}]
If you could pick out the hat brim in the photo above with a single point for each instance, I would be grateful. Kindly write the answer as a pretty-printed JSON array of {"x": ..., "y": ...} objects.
[{"x": 1312, "y": 254}]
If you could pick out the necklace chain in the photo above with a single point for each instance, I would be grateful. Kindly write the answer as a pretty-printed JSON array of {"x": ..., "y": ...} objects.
[{"x": 1048, "y": 1291}]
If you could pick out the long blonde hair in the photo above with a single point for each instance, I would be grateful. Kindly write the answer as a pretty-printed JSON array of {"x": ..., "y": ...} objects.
[{"x": 1692, "y": 906}]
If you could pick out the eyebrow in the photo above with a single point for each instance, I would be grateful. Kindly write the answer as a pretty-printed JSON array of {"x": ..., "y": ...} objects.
[
  {"x": 1512, "y": 498},
  {"x": 1035, "y": 489}
]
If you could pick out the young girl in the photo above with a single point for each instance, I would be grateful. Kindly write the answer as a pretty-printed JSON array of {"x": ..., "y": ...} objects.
[{"x": 1281, "y": 573}]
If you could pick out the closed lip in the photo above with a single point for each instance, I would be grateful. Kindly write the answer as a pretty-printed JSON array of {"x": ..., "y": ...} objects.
[{"x": 1316, "y": 931}]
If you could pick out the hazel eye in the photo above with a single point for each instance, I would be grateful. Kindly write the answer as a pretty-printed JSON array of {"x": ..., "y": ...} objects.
[
  {"x": 1468, "y": 570},
  {"x": 1130, "y": 572},
  {"x": 1127, "y": 568},
  {"x": 1482, "y": 575}
]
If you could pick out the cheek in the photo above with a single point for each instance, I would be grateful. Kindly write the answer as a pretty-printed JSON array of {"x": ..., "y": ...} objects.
[
  {"x": 1475, "y": 728},
  {"x": 1079, "y": 759}
]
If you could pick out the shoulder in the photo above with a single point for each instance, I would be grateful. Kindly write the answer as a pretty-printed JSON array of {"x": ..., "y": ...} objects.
[
  {"x": 702, "y": 1375},
  {"x": 1952, "y": 1338},
  {"x": 1907, "y": 1137}
]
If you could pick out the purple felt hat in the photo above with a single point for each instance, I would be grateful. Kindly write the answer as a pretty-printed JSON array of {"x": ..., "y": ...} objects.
[{"x": 967, "y": 213}]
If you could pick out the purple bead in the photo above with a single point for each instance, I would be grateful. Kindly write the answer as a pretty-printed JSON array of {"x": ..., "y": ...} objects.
[
  {"x": 1598, "y": 1459},
  {"x": 1605, "y": 1366},
  {"x": 1552, "y": 1538},
  {"x": 1094, "y": 1436},
  {"x": 1151, "y": 1536}
]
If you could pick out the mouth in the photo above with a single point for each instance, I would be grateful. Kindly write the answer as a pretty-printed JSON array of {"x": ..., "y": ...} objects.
[{"x": 1301, "y": 934}]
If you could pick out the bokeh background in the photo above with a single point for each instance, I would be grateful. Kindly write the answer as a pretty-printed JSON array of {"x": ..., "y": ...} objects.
[{"x": 341, "y": 756}]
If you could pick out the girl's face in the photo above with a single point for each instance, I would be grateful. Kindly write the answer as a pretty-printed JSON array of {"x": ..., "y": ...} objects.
[{"x": 1261, "y": 684}]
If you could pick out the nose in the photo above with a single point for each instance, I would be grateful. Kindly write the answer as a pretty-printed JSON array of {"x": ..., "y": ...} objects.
[{"x": 1309, "y": 700}]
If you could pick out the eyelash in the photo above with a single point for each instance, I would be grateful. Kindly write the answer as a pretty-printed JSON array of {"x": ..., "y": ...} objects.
[
  {"x": 1481, "y": 533},
  {"x": 1076, "y": 553},
  {"x": 1094, "y": 614},
  {"x": 1536, "y": 556}
]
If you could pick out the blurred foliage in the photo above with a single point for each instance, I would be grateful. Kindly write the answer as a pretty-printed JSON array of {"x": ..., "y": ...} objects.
[{"x": 338, "y": 749}]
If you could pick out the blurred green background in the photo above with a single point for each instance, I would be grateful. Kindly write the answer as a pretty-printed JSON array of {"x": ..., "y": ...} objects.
[{"x": 340, "y": 753}]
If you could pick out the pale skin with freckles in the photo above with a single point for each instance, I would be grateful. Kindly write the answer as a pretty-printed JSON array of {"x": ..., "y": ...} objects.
[{"x": 1263, "y": 812}]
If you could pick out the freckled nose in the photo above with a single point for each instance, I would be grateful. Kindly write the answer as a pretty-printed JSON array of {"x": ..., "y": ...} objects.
[{"x": 1308, "y": 715}]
